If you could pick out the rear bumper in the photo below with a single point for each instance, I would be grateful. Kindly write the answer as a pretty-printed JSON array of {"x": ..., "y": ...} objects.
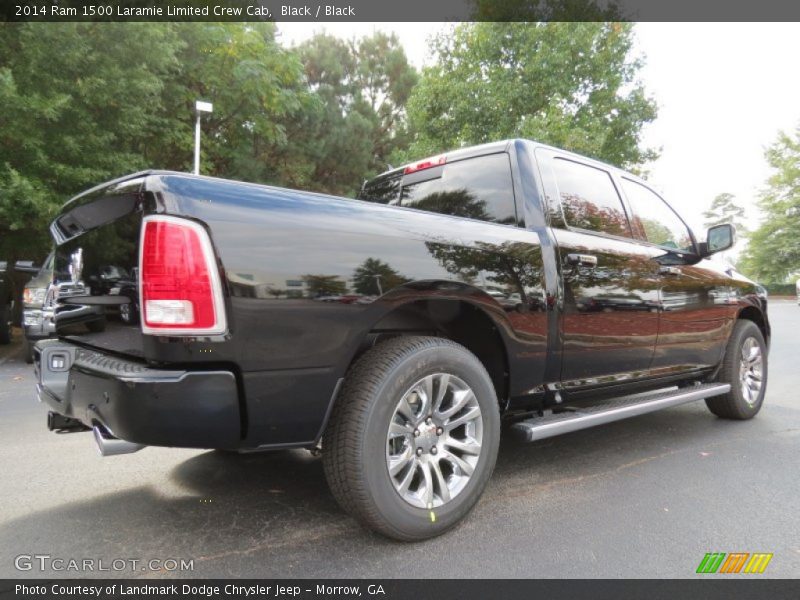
[{"x": 156, "y": 407}]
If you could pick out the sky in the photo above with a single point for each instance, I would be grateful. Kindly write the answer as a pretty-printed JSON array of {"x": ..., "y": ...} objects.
[{"x": 723, "y": 90}]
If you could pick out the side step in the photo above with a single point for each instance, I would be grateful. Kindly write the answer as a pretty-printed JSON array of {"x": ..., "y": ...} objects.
[{"x": 539, "y": 428}]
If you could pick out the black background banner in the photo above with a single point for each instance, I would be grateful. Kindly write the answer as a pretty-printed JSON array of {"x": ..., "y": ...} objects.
[
  {"x": 321, "y": 11},
  {"x": 705, "y": 588}
]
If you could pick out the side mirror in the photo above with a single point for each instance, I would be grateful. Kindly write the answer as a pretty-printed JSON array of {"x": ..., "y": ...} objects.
[{"x": 719, "y": 238}]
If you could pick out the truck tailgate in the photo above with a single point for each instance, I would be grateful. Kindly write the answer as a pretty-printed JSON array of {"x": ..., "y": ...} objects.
[{"x": 93, "y": 296}]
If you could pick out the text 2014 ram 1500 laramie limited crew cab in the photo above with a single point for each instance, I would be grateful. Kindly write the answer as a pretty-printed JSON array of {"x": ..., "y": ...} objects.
[{"x": 507, "y": 282}]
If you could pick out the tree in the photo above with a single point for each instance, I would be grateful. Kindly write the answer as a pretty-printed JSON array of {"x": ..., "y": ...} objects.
[
  {"x": 773, "y": 249},
  {"x": 257, "y": 89},
  {"x": 513, "y": 266},
  {"x": 458, "y": 203},
  {"x": 374, "y": 277},
  {"x": 724, "y": 209},
  {"x": 361, "y": 88},
  {"x": 582, "y": 213},
  {"x": 386, "y": 81},
  {"x": 87, "y": 102},
  {"x": 79, "y": 100},
  {"x": 573, "y": 85},
  {"x": 324, "y": 285}
]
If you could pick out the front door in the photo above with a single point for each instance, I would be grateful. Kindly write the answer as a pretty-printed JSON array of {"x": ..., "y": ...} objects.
[{"x": 697, "y": 304}]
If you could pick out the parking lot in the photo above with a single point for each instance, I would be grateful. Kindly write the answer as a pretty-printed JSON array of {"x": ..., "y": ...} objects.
[{"x": 646, "y": 497}]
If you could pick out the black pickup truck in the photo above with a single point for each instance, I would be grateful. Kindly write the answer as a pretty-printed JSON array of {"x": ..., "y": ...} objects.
[{"x": 511, "y": 283}]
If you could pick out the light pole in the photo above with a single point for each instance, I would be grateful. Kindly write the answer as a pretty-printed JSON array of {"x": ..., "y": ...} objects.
[{"x": 200, "y": 107}]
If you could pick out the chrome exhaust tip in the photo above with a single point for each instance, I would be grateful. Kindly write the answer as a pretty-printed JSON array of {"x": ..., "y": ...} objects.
[{"x": 108, "y": 445}]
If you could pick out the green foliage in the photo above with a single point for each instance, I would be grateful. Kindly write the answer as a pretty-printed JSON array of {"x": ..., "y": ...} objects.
[
  {"x": 572, "y": 85},
  {"x": 773, "y": 250},
  {"x": 256, "y": 87},
  {"x": 362, "y": 87},
  {"x": 86, "y": 102},
  {"x": 374, "y": 277},
  {"x": 781, "y": 289},
  {"x": 76, "y": 100}
]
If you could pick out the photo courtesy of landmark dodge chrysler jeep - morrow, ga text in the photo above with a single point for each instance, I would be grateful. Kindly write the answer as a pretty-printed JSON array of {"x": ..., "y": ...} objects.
[{"x": 509, "y": 282}]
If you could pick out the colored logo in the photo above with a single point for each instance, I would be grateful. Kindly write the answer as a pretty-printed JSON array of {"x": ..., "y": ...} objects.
[{"x": 734, "y": 562}]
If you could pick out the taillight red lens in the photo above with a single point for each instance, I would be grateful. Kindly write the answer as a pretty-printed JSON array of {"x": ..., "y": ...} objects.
[{"x": 180, "y": 289}]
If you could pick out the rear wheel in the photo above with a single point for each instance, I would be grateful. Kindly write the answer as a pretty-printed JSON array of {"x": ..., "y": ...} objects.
[
  {"x": 745, "y": 369},
  {"x": 413, "y": 437}
]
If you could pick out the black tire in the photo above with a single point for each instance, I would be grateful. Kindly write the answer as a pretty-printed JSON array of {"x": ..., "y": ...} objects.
[
  {"x": 97, "y": 326},
  {"x": 27, "y": 350},
  {"x": 734, "y": 404},
  {"x": 355, "y": 441},
  {"x": 5, "y": 327}
]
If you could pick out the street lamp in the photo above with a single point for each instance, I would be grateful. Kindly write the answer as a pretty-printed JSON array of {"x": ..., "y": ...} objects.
[{"x": 200, "y": 107}]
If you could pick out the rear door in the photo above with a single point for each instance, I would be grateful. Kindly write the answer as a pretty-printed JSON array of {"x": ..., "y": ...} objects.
[
  {"x": 610, "y": 283},
  {"x": 504, "y": 260}
]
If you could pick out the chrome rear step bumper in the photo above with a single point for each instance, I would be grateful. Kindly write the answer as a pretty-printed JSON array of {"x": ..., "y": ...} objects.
[{"x": 539, "y": 428}]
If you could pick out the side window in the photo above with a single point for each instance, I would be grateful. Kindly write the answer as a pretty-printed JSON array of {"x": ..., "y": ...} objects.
[
  {"x": 589, "y": 198},
  {"x": 659, "y": 223},
  {"x": 478, "y": 188}
]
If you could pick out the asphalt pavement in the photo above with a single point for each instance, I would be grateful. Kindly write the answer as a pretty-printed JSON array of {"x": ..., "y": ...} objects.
[{"x": 645, "y": 497}]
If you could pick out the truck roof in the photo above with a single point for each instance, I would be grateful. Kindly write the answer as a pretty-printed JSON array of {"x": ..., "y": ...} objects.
[{"x": 492, "y": 147}]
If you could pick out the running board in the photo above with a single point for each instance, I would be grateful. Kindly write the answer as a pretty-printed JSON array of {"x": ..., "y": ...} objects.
[{"x": 539, "y": 428}]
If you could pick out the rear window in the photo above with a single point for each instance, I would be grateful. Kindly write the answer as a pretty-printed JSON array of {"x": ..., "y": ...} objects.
[
  {"x": 383, "y": 190},
  {"x": 477, "y": 188}
]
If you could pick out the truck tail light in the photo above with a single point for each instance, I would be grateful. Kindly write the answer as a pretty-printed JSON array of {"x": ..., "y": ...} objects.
[
  {"x": 428, "y": 163},
  {"x": 180, "y": 292}
]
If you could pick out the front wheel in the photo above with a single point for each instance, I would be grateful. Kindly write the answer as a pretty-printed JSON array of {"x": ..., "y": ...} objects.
[
  {"x": 745, "y": 368},
  {"x": 413, "y": 437}
]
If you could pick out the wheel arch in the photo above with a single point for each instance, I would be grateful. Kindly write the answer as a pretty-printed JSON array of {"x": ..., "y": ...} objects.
[
  {"x": 754, "y": 314},
  {"x": 459, "y": 312}
]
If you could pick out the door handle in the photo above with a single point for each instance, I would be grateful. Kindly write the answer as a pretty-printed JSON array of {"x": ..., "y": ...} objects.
[
  {"x": 675, "y": 271},
  {"x": 581, "y": 260}
]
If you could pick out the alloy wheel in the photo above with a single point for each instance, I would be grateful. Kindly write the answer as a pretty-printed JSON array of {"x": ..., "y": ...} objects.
[
  {"x": 751, "y": 370},
  {"x": 434, "y": 440}
]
